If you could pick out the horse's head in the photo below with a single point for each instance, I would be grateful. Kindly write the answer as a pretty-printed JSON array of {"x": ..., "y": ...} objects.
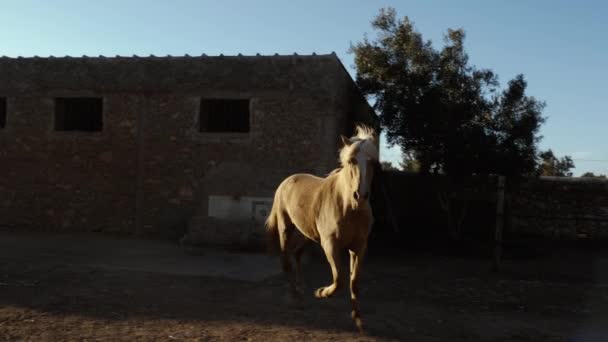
[{"x": 358, "y": 157}]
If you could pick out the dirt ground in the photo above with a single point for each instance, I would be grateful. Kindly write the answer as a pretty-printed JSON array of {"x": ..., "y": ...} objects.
[{"x": 85, "y": 288}]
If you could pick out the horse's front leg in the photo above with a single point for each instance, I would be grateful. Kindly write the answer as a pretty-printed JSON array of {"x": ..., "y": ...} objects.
[
  {"x": 332, "y": 252},
  {"x": 356, "y": 258}
]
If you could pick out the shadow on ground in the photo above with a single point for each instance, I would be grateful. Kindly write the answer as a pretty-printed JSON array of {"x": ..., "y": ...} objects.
[{"x": 122, "y": 289}]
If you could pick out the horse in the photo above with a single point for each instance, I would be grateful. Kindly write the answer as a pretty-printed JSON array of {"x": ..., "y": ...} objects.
[{"x": 333, "y": 211}]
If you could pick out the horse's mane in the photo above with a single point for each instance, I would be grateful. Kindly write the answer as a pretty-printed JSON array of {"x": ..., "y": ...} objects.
[
  {"x": 365, "y": 137},
  {"x": 334, "y": 171},
  {"x": 363, "y": 132}
]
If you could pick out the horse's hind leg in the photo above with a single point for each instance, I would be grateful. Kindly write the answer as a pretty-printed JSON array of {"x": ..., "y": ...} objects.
[
  {"x": 286, "y": 230},
  {"x": 356, "y": 258},
  {"x": 300, "y": 242},
  {"x": 332, "y": 252}
]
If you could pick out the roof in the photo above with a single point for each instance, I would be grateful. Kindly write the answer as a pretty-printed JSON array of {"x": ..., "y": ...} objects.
[
  {"x": 315, "y": 73},
  {"x": 162, "y": 74}
]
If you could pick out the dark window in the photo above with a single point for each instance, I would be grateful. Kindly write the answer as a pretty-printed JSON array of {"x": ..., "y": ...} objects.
[
  {"x": 224, "y": 115},
  {"x": 2, "y": 112},
  {"x": 79, "y": 114}
]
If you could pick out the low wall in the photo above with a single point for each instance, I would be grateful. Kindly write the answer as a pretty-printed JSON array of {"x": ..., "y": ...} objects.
[
  {"x": 561, "y": 207},
  {"x": 551, "y": 207}
]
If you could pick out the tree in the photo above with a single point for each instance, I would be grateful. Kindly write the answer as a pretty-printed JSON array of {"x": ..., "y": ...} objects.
[
  {"x": 388, "y": 166},
  {"x": 446, "y": 115},
  {"x": 410, "y": 164},
  {"x": 514, "y": 131},
  {"x": 550, "y": 165},
  {"x": 441, "y": 110},
  {"x": 592, "y": 175}
]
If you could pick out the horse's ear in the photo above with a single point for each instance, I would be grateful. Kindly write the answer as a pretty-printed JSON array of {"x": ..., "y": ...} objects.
[{"x": 345, "y": 140}]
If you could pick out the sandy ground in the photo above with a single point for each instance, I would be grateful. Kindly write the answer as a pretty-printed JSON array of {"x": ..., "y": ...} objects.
[{"x": 96, "y": 288}]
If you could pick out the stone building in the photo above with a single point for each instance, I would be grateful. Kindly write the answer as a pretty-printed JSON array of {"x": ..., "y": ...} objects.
[{"x": 149, "y": 145}]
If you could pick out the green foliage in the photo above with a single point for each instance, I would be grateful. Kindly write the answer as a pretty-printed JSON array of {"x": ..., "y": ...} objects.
[
  {"x": 550, "y": 165},
  {"x": 447, "y": 114},
  {"x": 592, "y": 175},
  {"x": 388, "y": 166},
  {"x": 410, "y": 164}
]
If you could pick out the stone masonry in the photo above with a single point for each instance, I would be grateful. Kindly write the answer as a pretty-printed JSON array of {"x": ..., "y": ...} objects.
[
  {"x": 561, "y": 208},
  {"x": 150, "y": 171}
]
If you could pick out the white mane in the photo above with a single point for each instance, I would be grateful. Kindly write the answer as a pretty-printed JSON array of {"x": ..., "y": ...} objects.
[
  {"x": 363, "y": 132},
  {"x": 364, "y": 140}
]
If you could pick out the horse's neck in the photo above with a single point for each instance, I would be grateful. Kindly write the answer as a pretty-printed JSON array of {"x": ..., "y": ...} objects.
[{"x": 341, "y": 189}]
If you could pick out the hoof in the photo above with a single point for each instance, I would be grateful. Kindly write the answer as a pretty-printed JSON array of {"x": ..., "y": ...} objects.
[
  {"x": 360, "y": 325},
  {"x": 319, "y": 292},
  {"x": 358, "y": 322}
]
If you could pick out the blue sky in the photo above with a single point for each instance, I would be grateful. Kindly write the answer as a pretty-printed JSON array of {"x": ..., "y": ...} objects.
[{"x": 560, "y": 46}]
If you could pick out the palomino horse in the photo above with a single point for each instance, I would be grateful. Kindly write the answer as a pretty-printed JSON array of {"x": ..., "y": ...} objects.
[{"x": 333, "y": 211}]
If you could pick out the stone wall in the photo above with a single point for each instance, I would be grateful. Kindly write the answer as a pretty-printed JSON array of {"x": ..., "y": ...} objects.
[
  {"x": 561, "y": 207},
  {"x": 546, "y": 207},
  {"x": 150, "y": 171},
  {"x": 183, "y": 167},
  {"x": 67, "y": 180}
]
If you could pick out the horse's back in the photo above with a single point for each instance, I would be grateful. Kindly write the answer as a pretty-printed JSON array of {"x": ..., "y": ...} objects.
[
  {"x": 299, "y": 190},
  {"x": 301, "y": 183},
  {"x": 296, "y": 198}
]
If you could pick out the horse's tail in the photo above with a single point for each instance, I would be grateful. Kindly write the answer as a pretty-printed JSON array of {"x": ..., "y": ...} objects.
[{"x": 272, "y": 230}]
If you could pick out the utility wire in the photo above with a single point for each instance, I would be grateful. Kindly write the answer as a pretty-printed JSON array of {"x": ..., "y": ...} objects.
[{"x": 592, "y": 160}]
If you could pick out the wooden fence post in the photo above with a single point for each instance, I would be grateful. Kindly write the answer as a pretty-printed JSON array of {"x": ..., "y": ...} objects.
[{"x": 500, "y": 209}]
